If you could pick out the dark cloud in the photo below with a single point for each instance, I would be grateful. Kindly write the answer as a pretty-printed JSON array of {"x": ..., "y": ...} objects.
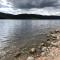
[{"x": 34, "y": 3}]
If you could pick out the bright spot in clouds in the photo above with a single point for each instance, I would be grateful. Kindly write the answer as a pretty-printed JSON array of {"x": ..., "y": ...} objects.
[{"x": 5, "y": 3}]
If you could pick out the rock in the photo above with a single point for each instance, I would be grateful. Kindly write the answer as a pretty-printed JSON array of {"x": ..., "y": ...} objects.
[
  {"x": 48, "y": 39},
  {"x": 51, "y": 32},
  {"x": 17, "y": 54},
  {"x": 53, "y": 43},
  {"x": 54, "y": 38},
  {"x": 33, "y": 50},
  {"x": 56, "y": 31},
  {"x": 49, "y": 47},
  {"x": 30, "y": 58},
  {"x": 51, "y": 54},
  {"x": 43, "y": 53},
  {"x": 42, "y": 58},
  {"x": 58, "y": 37},
  {"x": 44, "y": 49},
  {"x": 48, "y": 35},
  {"x": 39, "y": 46},
  {"x": 53, "y": 35},
  {"x": 48, "y": 42},
  {"x": 2, "y": 53},
  {"x": 42, "y": 44}
]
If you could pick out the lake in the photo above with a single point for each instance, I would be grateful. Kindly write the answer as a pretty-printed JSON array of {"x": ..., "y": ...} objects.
[{"x": 17, "y": 33}]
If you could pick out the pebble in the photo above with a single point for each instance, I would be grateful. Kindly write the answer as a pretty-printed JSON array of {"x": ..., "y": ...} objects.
[
  {"x": 33, "y": 50},
  {"x": 44, "y": 48},
  {"x": 42, "y": 44},
  {"x": 54, "y": 38},
  {"x": 49, "y": 47},
  {"x": 48, "y": 35},
  {"x": 43, "y": 53},
  {"x": 48, "y": 42},
  {"x": 58, "y": 37},
  {"x": 53, "y": 43},
  {"x": 53, "y": 35},
  {"x": 30, "y": 58},
  {"x": 56, "y": 31}
]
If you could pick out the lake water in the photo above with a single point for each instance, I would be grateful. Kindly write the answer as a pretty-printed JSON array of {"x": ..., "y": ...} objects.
[{"x": 18, "y": 32}]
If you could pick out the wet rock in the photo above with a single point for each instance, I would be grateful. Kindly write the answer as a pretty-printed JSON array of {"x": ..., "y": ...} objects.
[
  {"x": 48, "y": 39},
  {"x": 48, "y": 35},
  {"x": 56, "y": 31},
  {"x": 42, "y": 44},
  {"x": 51, "y": 32},
  {"x": 33, "y": 50},
  {"x": 39, "y": 47},
  {"x": 30, "y": 58},
  {"x": 53, "y": 35}
]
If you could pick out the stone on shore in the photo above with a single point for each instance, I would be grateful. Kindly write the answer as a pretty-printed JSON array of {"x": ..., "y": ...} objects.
[
  {"x": 33, "y": 50},
  {"x": 30, "y": 58}
]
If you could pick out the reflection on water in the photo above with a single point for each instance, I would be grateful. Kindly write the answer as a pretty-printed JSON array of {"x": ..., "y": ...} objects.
[{"x": 19, "y": 31}]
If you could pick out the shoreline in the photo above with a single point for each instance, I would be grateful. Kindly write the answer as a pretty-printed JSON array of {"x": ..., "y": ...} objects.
[{"x": 35, "y": 50}]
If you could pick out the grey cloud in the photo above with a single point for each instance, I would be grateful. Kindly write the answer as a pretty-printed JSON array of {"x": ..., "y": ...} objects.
[{"x": 34, "y": 3}]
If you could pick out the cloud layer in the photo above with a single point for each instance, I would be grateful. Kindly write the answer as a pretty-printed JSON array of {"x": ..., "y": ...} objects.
[
  {"x": 35, "y": 3},
  {"x": 42, "y": 7}
]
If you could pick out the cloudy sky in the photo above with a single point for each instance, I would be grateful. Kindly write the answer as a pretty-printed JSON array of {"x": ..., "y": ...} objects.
[
  {"x": 35, "y": 3},
  {"x": 32, "y": 5}
]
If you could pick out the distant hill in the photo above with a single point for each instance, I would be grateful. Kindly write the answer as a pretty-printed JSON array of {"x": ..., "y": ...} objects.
[{"x": 26, "y": 16}]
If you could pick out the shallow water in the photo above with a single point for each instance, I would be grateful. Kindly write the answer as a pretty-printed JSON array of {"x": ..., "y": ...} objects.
[{"x": 19, "y": 32}]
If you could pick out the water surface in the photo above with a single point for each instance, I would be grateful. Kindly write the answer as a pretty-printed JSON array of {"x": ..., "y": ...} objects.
[{"x": 16, "y": 33}]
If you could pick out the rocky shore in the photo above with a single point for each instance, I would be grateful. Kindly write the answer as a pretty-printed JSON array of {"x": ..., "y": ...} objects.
[{"x": 46, "y": 50}]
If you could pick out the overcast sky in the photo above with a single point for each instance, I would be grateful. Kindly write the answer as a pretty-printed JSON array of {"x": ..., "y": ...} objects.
[
  {"x": 45, "y": 7},
  {"x": 35, "y": 3},
  {"x": 30, "y": 3}
]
